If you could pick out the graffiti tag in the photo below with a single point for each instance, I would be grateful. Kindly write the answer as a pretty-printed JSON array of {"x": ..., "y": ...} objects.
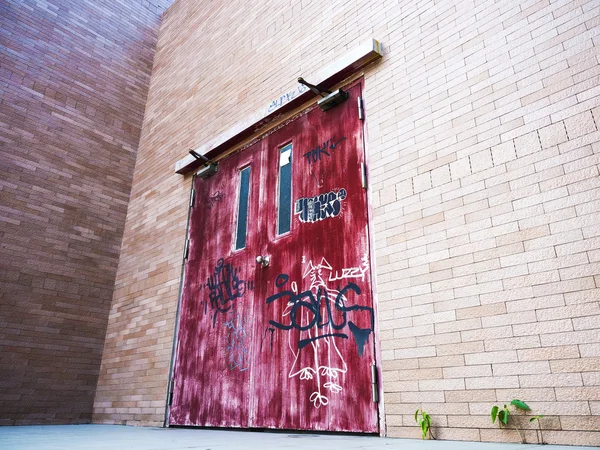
[
  {"x": 320, "y": 207},
  {"x": 316, "y": 153},
  {"x": 318, "y": 308},
  {"x": 286, "y": 98},
  {"x": 236, "y": 343},
  {"x": 267, "y": 330},
  {"x": 225, "y": 287},
  {"x": 314, "y": 321},
  {"x": 352, "y": 272}
]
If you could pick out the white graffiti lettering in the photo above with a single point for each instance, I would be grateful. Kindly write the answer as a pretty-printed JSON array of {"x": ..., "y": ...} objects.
[
  {"x": 353, "y": 272},
  {"x": 317, "y": 320},
  {"x": 286, "y": 98}
]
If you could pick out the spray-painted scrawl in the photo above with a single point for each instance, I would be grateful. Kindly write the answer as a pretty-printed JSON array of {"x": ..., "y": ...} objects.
[
  {"x": 320, "y": 207},
  {"x": 236, "y": 342},
  {"x": 316, "y": 320},
  {"x": 225, "y": 286},
  {"x": 314, "y": 155}
]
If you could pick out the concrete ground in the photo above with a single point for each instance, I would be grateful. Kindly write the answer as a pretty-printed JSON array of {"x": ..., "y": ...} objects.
[{"x": 116, "y": 437}]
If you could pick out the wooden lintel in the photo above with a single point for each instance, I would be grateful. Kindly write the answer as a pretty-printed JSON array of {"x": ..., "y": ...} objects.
[{"x": 331, "y": 74}]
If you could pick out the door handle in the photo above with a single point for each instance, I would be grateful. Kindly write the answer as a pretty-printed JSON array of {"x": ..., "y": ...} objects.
[{"x": 263, "y": 260}]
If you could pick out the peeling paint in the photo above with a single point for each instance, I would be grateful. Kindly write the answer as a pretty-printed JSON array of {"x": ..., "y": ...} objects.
[{"x": 288, "y": 345}]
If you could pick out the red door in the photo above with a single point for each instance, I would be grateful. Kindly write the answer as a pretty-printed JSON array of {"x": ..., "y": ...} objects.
[
  {"x": 211, "y": 377},
  {"x": 303, "y": 324}
]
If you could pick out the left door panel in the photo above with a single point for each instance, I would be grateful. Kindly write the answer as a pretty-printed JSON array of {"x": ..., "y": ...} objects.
[{"x": 212, "y": 376}]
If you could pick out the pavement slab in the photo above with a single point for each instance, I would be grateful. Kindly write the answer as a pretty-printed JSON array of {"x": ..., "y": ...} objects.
[{"x": 120, "y": 437}]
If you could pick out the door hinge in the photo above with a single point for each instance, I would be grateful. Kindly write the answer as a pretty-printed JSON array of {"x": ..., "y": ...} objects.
[
  {"x": 361, "y": 113},
  {"x": 363, "y": 175},
  {"x": 192, "y": 198},
  {"x": 186, "y": 250},
  {"x": 374, "y": 383},
  {"x": 170, "y": 394}
]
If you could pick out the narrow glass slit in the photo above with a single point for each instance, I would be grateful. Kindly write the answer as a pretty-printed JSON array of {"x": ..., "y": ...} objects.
[
  {"x": 242, "y": 217},
  {"x": 284, "y": 210}
]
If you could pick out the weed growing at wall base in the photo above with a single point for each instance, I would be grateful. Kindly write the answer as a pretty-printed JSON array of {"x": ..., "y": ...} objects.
[
  {"x": 538, "y": 417},
  {"x": 424, "y": 421},
  {"x": 503, "y": 415}
]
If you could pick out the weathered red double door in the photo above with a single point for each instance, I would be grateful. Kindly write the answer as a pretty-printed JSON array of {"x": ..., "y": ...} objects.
[{"x": 290, "y": 344}]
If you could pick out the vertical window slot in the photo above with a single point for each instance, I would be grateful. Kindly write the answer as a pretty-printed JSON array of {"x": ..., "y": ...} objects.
[
  {"x": 284, "y": 210},
  {"x": 242, "y": 217}
]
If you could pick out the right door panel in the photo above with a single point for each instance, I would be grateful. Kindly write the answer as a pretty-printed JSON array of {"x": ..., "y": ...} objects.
[{"x": 314, "y": 342}]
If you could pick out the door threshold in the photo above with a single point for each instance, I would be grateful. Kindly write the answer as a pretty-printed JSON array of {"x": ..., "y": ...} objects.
[{"x": 291, "y": 432}]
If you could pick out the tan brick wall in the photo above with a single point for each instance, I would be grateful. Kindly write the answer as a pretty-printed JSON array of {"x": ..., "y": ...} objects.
[
  {"x": 74, "y": 77},
  {"x": 483, "y": 146}
]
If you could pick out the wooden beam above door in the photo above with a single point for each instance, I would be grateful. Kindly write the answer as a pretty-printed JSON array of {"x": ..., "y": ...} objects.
[{"x": 333, "y": 73}]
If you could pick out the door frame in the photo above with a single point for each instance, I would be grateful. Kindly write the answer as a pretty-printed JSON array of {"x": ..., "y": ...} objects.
[{"x": 357, "y": 79}]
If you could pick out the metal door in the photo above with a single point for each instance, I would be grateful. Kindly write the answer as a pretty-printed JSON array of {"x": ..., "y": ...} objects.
[
  {"x": 211, "y": 383},
  {"x": 304, "y": 322}
]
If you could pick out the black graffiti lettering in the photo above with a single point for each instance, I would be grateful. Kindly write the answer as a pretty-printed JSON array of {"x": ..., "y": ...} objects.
[
  {"x": 320, "y": 207},
  {"x": 281, "y": 279},
  {"x": 267, "y": 330},
  {"x": 304, "y": 342},
  {"x": 311, "y": 305},
  {"x": 315, "y": 155},
  {"x": 339, "y": 302},
  {"x": 361, "y": 336},
  {"x": 276, "y": 297},
  {"x": 225, "y": 287},
  {"x": 309, "y": 310},
  {"x": 335, "y": 144}
]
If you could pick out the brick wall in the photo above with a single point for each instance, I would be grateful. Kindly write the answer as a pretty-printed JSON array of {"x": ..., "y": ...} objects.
[
  {"x": 74, "y": 77},
  {"x": 483, "y": 146}
]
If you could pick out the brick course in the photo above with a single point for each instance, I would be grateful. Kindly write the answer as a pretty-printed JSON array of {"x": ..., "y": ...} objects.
[{"x": 74, "y": 77}]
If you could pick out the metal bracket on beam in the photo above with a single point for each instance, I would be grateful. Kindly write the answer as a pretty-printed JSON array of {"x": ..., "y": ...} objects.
[
  {"x": 353, "y": 61},
  {"x": 209, "y": 169}
]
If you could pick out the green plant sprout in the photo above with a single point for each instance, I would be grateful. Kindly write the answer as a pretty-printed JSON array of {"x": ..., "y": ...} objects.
[
  {"x": 503, "y": 415},
  {"x": 424, "y": 421},
  {"x": 538, "y": 417}
]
